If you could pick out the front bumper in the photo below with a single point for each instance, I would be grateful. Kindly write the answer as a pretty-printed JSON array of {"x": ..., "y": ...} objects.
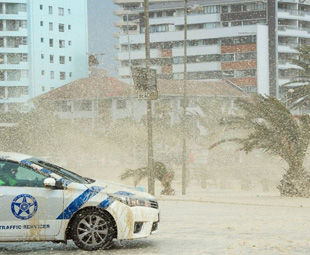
[{"x": 134, "y": 222}]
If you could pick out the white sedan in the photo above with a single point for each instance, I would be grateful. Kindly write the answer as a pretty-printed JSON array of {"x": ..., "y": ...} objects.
[{"x": 40, "y": 201}]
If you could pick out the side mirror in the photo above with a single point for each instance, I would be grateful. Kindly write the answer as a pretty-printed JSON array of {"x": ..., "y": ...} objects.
[{"x": 49, "y": 183}]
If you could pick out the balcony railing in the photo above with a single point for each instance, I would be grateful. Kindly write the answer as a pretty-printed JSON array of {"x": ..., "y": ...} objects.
[
  {"x": 284, "y": 28},
  {"x": 294, "y": 12}
]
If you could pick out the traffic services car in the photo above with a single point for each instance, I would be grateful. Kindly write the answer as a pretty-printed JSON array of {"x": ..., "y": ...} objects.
[{"x": 40, "y": 201}]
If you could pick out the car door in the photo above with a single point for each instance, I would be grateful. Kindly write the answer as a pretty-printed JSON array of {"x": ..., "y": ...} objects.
[{"x": 28, "y": 210}]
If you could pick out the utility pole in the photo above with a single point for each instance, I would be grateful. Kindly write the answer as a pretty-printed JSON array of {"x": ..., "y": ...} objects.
[
  {"x": 151, "y": 177},
  {"x": 184, "y": 153},
  {"x": 130, "y": 72}
]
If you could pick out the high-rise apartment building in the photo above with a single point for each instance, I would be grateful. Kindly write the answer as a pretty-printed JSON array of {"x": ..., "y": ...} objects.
[
  {"x": 248, "y": 42},
  {"x": 43, "y": 45}
]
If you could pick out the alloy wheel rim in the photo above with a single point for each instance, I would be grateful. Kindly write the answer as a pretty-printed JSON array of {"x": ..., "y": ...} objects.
[{"x": 92, "y": 230}]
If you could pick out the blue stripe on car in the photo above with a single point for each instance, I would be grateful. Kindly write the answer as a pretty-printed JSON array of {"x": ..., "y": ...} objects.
[
  {"x": 106, "y": 203},
  {"x": 25, "y": 162},
  {"x": 46, "y": 171},
  {"x": 65, "y": 182},
  {"x": 79, "y": 202},
  {"x": 124, "y": 193}
]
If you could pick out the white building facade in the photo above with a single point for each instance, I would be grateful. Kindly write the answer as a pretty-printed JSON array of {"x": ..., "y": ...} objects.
[
  {"x": 43, "y": 45},
  {"x": 248, "y": 42}
]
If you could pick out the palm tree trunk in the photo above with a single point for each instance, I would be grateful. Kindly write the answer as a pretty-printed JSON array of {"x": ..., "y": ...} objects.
[{"x": 295, "y": 182}]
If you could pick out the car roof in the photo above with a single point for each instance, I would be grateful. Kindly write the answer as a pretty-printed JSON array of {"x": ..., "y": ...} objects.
[{"x": 13, "y": 156}]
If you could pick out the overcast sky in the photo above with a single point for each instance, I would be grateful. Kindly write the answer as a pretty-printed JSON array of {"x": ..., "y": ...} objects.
[{"x": 101, "y": 30}]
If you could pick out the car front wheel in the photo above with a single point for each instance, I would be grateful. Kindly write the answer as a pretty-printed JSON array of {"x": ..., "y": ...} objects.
[{"x": 92, "y": 230}]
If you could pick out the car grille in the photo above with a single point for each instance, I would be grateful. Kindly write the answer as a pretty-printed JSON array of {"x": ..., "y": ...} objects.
[{"x": 154, "y": 204}]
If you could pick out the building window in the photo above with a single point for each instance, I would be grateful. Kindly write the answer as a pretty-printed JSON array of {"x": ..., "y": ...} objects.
[
  {"x": 61, "y": 43},
  {"x": 51, "y": 26},
  {"x": 61, "y": 11},
  {"x": 23, "y": 23},
  {"x": 61, "y": 59},
  {"x": 42, "y": 72},
  {"x": 69, "y": 27},
  {"x": 42, "y": 56},
  {"x": 212, "y": 9},
  {"x": 63, "y": 106},
  {"x": 69, "y": 11},
  {"x": 158, "y": 28},
  {"x": 62, "y": 75},
  {"x": 42, "y": 39},
  {"x": 69, "y": 43},
  {"x": 83, "y": 105},
  {"x": 236, "y": 8},
  {"x": 43, "y": 88},
  {"x": 61, "y": 27},
  {"x": 52, "y": 75},
  {"x": 70, "y": 74},
  {"x": 41, "y": 7},
  {"x": 225, "y": 9},
  {"x": 50, "y": 10},
  {"x": 51, "y": 43},
  {"x": 41, "y": 23},
  {"x": 70, "y": 59},
  {"x": 25, "y": 57},
  {"x": 51, "y": 58}
]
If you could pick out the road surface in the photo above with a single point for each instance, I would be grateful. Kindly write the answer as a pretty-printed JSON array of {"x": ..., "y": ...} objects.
[{"x": 206, "y": 228}]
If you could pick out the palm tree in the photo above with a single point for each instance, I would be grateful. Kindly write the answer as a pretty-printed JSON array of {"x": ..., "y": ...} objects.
[
  {"x": 161, "y": 174},
  {"x": 270, "y": 126},
  {"x": 298, "y": 89}
]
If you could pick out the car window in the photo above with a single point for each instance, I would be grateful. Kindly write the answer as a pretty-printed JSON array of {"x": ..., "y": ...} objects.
[
  {"x": 71, "y": 176},
  {"x": 13, "y": 174}
]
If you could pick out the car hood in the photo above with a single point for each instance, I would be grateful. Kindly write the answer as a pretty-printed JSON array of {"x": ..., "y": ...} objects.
[{"x": 120, "y": 189}]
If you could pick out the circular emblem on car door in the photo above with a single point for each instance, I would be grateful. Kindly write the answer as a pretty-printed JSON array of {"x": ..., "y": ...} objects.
[{"x": 24, "y": 206}]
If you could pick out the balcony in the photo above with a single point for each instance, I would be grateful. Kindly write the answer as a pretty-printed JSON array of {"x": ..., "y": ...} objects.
[
  {"x": 22, "y": 82},
  {"x": 15, "y": 66},
  {"x": 124, "y": 23},
  {"x": 288, "y": 13},
  {"x": 124, "y": 12},
  {"x": 138, "y": 54},
  {"x": 295, "y": 28},
  {"x": 287, "y": 47},
  {"x": 20, "y": 49}
]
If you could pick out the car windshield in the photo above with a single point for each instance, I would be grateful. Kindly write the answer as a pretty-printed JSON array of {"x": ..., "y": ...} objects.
[{"x": 71, "y": 176}]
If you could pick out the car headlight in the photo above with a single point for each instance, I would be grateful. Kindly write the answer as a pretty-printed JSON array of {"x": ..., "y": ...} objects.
[{"x": 132, "y": 201}]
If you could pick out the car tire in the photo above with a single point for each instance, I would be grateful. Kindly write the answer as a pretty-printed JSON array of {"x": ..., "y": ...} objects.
[{"x": 92, "y": 230}]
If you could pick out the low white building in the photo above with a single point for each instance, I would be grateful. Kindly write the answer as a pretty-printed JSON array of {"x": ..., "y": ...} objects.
[{"x": 100, "y": 101}]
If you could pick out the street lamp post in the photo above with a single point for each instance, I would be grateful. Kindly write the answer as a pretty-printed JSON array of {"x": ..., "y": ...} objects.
[
  {"x": 184, "y": 152},
  {"x": 151, "y": 177},
  {"x": 129, "y": 59}
]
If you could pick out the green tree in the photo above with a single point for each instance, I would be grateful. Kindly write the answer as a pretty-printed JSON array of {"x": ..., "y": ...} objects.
[
  {"x": 161, "y": 174},
  {"x": 268, "y": 125},
  {"x": 93, "y": 61}
]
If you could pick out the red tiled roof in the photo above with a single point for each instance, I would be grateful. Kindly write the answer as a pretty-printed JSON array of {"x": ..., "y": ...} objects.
[
  {"x": 107, "y": 87},
  {"x": 88, "y": 88}
]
